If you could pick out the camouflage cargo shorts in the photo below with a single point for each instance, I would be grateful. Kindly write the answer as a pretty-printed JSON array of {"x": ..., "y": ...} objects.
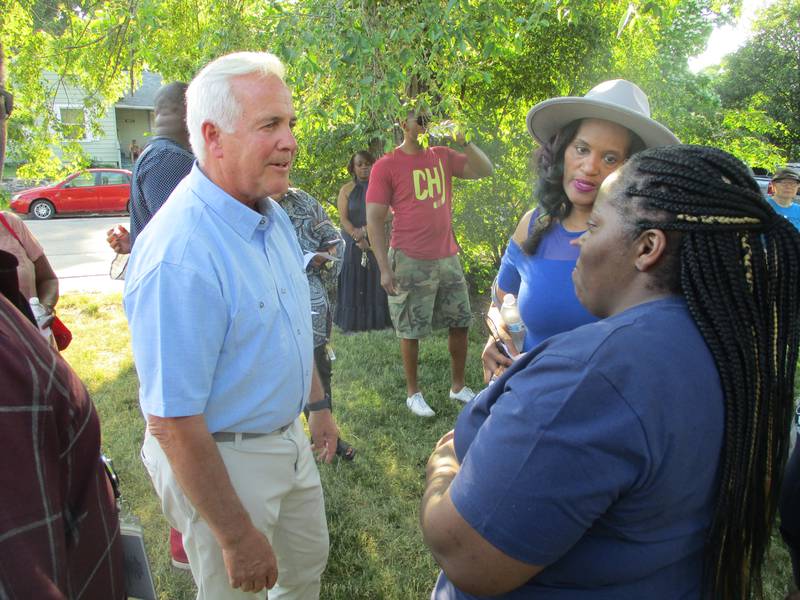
[{"x": 431, "y": 294}]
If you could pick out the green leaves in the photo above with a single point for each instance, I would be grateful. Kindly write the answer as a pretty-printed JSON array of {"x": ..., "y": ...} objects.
[
  {"x": 356, "y": 65},
  {"x": 765, "y": 72}
]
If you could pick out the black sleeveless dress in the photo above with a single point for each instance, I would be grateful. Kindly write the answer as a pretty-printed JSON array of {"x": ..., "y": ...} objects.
[{"x": 361, "y": 302}]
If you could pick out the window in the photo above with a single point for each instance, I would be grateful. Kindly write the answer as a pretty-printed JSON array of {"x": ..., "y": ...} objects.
[
  {"x": 74, "y": 123},
  {"x": 85, "y": 179},
  {"x": 113, "y": 178}
]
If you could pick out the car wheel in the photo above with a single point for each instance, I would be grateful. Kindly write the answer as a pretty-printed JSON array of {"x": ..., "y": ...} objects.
[
  {"x": 128, "y": 207},
  {"x": 42, "y": 209}
]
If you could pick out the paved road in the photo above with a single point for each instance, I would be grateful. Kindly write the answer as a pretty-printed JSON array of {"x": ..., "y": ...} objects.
[{"x": 77, "y": 249}]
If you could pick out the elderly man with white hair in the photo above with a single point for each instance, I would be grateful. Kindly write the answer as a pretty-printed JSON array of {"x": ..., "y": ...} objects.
[{"x": 218, "y": 306}]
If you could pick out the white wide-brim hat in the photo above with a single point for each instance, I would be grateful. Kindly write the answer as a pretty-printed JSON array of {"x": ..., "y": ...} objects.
[{"x": 618, "y": 101}]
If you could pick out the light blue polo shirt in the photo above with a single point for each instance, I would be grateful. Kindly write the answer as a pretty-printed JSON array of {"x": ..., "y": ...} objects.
[{"x": 219, "y": 311}]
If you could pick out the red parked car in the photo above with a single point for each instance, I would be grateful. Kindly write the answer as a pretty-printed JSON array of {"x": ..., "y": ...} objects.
[{"x": 90, "y": 191}]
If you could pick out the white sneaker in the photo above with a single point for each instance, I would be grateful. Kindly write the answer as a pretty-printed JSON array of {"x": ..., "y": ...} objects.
[
  {"x": 463, "y": 395},
  {"x": 418, "y": 406}
]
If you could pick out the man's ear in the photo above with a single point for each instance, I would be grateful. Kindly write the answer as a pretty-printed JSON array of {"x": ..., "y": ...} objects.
[
  {"x": 211, "y": 137},
  {"x": 651, "y": 246}
]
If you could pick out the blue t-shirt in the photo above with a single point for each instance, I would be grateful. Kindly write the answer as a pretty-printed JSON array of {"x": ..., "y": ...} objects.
[
  {"x": 543, "y": 286},
  {"x": 790, "y": 212},
  {"x": 596, "y": 455}
]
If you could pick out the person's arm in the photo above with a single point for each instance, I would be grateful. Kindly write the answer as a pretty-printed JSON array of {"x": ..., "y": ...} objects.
[
  {"x": 494, "y": 361},
  {"x": 344, "y": 213},
  {"x": 198, "y": 467},
  {"x": 376, "y": 217},
  {"x": 46, "y": 283},
  {"x": 323, "y": 429},
  {"x": 359, "y": 234},
  {"x": 478, "y": 164},
  {"x": 471, "y": 563}
]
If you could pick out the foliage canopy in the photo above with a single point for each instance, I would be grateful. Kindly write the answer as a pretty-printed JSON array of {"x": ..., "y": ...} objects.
[{"x": 356, "y": 65}]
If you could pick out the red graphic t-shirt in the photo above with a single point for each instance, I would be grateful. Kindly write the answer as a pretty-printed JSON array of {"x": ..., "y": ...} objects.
[{"x": 418, "y": 188}]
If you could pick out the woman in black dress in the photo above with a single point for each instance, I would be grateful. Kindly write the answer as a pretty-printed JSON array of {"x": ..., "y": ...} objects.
[{"x": 361, "y": 302}]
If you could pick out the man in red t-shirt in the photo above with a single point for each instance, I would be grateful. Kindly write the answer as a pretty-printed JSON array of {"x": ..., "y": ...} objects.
[{"x": 421, "y": 272}]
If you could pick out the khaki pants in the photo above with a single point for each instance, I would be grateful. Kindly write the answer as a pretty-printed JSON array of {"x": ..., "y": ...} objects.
[{"x": 276, "y": 479}]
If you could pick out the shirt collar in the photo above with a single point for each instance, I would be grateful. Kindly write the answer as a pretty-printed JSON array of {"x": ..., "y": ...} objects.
[{"x": 240, "y": 218}]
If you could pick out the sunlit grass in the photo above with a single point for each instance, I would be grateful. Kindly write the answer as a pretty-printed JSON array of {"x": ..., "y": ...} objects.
[{"x": 372, "y": 504}]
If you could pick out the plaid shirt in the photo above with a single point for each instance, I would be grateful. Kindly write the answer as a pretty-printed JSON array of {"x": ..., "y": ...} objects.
[{"x": 59, "y": 535}]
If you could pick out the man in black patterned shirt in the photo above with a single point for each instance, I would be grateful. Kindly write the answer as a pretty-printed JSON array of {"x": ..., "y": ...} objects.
[
  {"x": 163, "y": 164},
  {"x": 318, "y": 237}
]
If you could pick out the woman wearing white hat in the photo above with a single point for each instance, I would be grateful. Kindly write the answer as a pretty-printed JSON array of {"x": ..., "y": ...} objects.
[{"x": 583, "y": 140}]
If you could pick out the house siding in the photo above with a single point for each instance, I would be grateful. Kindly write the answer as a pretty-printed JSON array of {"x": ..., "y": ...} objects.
[{"x": 102, "y": 146}]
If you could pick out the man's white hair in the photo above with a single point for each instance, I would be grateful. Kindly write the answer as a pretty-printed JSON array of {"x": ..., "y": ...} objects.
[{"x": 209, "y": 97}]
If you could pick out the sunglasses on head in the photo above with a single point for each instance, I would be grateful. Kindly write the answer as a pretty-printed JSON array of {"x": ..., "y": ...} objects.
[{"x": 423, "y": 120}]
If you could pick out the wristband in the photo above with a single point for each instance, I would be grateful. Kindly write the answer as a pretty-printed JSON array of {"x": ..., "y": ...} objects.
[{"x": 319, "y": 404}]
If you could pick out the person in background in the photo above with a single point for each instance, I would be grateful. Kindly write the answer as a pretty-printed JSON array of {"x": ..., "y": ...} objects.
[
  {"x": 219, "y": 312},
  {"x": 361, "y": 303},
  {"x": 318, "y": 237},
  {"x": 582, "y": 141},
  {"x": 164, "y": 163},
  {"x": 9, "y": 285},
  {"x": 134, "y": 150},
  {"x": 36, "y": 275},
  {"x": 421, "y": 272},
  {"x": 785, "y": 184},
  {"x": 59, "y": 530},
  {"x": 639, "y": 456}
]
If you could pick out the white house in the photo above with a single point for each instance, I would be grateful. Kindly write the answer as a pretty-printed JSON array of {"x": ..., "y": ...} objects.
[{"x": 131, "y": 118}]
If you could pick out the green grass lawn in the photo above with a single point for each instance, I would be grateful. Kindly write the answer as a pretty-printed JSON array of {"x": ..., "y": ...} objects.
[{"x": 372, "y": 504}]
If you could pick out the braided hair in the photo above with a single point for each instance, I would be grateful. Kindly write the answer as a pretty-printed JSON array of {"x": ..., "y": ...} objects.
[
  {"x": 740, "y": 275},
  {"x": 554, "y": 205}
]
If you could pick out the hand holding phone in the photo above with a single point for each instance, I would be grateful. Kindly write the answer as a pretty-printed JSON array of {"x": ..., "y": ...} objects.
[{"x": 496, "y": 355}]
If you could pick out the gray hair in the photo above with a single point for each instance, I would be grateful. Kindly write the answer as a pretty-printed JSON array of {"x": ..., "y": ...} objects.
[{"x": 209, "y": 97}]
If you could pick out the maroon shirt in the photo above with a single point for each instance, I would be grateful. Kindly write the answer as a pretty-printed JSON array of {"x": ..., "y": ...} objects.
[{"x": 59, "y": 535}]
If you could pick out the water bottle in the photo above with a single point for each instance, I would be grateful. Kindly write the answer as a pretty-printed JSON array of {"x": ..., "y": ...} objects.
[
  {"x": 40, "y": 314},
  {"x": 510, "y": 313}
]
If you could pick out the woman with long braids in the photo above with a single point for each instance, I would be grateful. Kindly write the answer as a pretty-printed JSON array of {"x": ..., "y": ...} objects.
[
  {"x": 639, "y": 456},
  {"x": 582, "y": 140}
]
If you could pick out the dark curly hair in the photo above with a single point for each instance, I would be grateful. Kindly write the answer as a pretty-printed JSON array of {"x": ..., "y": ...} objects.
[
  {"x": 549, "y": 194},
  {"x": 351, "y": 166},
  {"x": 738, "y": 266}
]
